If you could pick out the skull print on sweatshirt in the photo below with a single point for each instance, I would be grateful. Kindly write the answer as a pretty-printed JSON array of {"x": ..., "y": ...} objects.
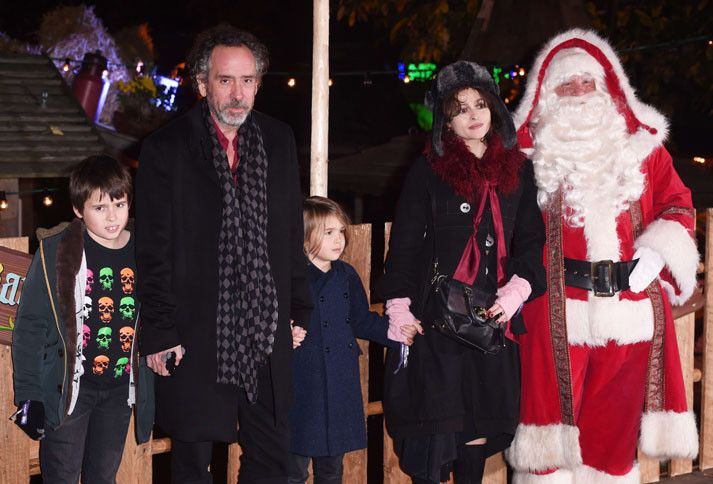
[{"x": 109, "y": 313}]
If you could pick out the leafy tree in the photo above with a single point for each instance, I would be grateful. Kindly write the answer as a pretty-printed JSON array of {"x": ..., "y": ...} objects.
[
  {"x": 666, "y": 47},
  {"x": 425, "y": 30}
]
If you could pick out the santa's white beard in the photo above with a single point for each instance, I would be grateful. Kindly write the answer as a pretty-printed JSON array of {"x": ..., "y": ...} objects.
[{"x": 582, "y": 145}]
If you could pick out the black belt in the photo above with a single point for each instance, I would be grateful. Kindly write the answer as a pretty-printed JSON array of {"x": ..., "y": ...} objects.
[{"x": 603, "y": 277}]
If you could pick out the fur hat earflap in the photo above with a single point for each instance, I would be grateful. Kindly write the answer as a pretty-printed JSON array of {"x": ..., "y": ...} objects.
[{"x": 461, "y": 75}]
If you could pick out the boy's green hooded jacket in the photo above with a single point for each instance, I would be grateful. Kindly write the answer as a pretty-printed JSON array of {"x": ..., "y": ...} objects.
[{"x": 45, "y": 337}]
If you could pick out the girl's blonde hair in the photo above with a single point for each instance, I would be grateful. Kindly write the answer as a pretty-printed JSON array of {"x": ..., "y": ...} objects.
[{"x": 315, "y": 211}]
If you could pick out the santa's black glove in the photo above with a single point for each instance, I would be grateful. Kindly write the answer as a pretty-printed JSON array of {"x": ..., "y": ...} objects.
[{"x": 30, "y": 417}]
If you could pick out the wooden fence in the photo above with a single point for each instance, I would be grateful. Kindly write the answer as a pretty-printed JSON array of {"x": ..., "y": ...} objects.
[{"x": 19, "y": 458}]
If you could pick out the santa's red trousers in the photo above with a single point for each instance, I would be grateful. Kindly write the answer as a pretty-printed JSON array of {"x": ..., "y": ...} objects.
[{"x": 608, "y": 386}]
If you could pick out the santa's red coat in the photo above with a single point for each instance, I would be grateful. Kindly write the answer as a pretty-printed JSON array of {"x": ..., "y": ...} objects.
[{"x": 546, "y": 438}]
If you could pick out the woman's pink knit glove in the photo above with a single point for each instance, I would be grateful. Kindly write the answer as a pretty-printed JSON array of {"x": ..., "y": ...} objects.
[
  {"x": 399, "y": 314},
  {"x": 512, "y": 295}
]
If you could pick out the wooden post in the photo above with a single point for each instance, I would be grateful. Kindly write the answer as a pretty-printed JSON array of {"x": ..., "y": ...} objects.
[
  {"x": 320, "y": 99},
  {"x": 706, "y": 426},
  {"x": 137, "y": 462},
  {"x": 234, "y": 452},
  {"x": 10, "y": 216},
  {"x": 358, "y": 254},
  {"x": 649, "y": 468},
  {"x": 685, "y": 336},
  {"x": 496, "y": 472}
]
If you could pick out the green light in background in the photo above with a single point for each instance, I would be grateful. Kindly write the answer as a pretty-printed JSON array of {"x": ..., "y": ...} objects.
[
  {"x": 424, "y": 117},
  {"x": 421, "y": 72},
  {"x": 496, "y": 74}
]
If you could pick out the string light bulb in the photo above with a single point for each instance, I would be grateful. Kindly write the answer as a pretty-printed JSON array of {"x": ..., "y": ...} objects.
[
  {"x": 291, "y": 82},
  {"x": 65, "y": 67},
  {"x": 521, "y": 71},
  {"x": 330, "y": 83},
  {"x": 699, "y": 159},
  {"x": 47, "y": 200},
  {"x": 3, "y": 200},
  {"x": 407, "y": 79}
]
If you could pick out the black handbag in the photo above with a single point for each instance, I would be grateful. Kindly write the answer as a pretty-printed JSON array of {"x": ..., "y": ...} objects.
[{"x": 460, "y": 311}]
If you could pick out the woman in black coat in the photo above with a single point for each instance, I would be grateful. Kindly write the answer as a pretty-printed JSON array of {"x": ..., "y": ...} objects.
[{"x": 451, "y": 406}]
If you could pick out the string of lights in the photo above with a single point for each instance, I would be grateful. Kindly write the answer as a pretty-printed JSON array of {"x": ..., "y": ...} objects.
[
  {"x": 672, "y": 43},
  {"x": 47, "y": 199},
  {"x": 408, "y": 72}
]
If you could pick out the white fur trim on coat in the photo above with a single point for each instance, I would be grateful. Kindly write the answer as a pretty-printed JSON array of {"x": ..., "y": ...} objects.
[
  {"x": 537, "y": 448},
  {"x": 669, "y": 435},
  {"x": 673, "y": 242},
  {"x": 560, "y": 476},
  {"x": 589, "y": 475},
  {"x": 80, "y": 286},
  {"x": 570, "y": 62},
  {"x": 643, "y": 142},
  {"x": 602, "y": 319}
]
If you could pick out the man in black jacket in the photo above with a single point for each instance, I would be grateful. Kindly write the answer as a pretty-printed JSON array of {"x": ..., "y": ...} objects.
[{"x": 219, "y": 250}]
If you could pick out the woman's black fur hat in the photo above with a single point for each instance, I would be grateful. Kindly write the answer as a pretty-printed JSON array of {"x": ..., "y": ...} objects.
[{"x": 461, "y": 75}]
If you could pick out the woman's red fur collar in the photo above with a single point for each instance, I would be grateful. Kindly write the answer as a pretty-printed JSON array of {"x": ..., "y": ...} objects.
[{"x": 466, "y": 173}]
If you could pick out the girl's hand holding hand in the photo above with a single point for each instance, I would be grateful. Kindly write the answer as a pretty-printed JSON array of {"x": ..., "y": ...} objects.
[
  {"x": 298, "y": 336},
  {"x": 409, "y": 331}
]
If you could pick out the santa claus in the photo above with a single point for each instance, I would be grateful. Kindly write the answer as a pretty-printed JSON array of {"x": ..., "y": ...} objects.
[{"x": 600, "y": 365}]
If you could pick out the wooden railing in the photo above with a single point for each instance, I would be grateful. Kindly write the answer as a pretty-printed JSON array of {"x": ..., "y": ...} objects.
[{"x": 19, "y": 458}]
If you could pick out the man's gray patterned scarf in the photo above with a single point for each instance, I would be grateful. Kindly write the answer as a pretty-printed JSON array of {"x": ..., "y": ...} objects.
[{"x": 247, "y": 298}]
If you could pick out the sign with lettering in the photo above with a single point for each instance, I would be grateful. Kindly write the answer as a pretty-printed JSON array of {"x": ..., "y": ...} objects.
[{"x": 13, "y": 268}]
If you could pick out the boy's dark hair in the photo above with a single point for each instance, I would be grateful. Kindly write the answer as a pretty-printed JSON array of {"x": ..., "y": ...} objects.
[
  {"x": 229, "y": 36},
  {"x": 315, "y": 211},
  {"x": 98, "y": 172}
]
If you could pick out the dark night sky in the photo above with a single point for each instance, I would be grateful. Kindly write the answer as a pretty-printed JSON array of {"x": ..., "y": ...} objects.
[{"x": 367, "y": 115}]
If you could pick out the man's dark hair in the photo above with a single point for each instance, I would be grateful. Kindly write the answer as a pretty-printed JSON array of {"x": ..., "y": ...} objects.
[
  {"x": 227, "y": 35},
  {"x": 98, "y": 172}
]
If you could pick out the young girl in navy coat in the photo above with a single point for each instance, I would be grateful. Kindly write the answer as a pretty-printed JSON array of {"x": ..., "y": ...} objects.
[{"x": 327, "y": 416}]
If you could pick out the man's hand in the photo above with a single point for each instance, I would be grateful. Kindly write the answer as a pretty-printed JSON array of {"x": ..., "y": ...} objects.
[
  {"x": 298, "y": 336},
  {"x": 646, "y": 270},
  {"x": 157, "y": 361}
]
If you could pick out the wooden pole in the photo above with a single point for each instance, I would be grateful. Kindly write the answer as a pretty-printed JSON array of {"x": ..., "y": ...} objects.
[
  {"x": 137, "y": 461},
  {"x": 358, "y": 254},
  {"x": 706, "y": 452},
  {"x": 320, "y": 99},
  {"x": 685, "y": 336}
]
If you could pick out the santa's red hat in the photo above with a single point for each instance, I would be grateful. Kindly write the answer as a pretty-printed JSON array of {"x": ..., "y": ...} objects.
[{"x": 580, "y": 51}]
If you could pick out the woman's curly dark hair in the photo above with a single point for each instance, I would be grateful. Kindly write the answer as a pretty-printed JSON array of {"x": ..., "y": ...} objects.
[{"x": 227, "y": 35}]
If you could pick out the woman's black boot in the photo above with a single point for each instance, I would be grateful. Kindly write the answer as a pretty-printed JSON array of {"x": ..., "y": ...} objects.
[{"x": 469, "y": 466}]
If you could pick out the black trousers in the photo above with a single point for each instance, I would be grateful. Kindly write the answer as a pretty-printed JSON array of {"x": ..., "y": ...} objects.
[
  {"x": 90, "y": 441},
  {"x": 326, "y": 470},
  {"x": 263, "y": 436}
]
